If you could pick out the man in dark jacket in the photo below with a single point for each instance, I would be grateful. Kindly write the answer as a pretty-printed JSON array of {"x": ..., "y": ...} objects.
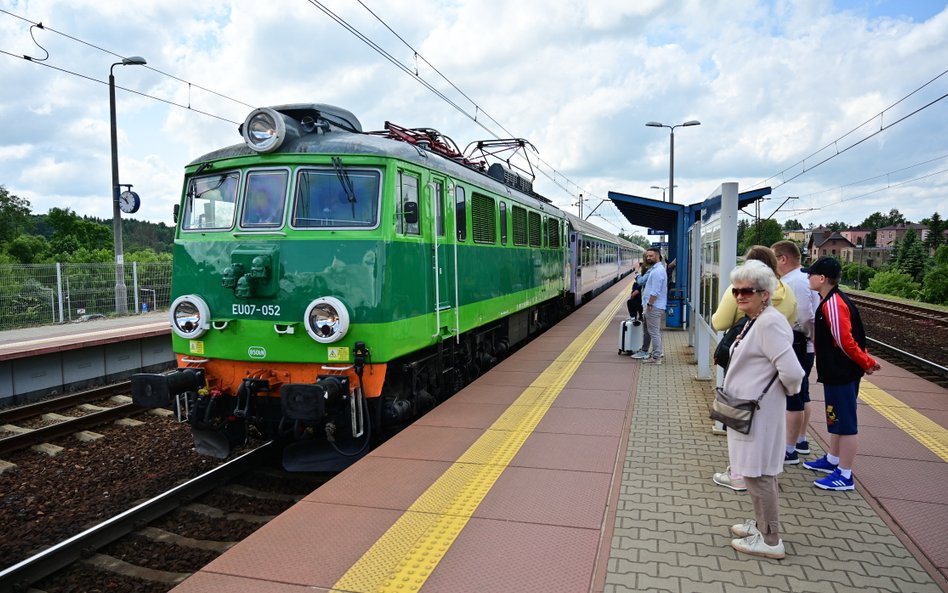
[{"x": 841, "y": 360}]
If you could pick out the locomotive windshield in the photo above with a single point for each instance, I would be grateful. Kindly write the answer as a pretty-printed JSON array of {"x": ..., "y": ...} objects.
[
  {"x": 265, "y": 198},
  {"x": 210, "y": 202},
  {"x": 327, "y": 199}
]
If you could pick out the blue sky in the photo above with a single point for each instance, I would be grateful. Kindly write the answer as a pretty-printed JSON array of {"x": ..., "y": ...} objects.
[{"x": 837, "y": 104}]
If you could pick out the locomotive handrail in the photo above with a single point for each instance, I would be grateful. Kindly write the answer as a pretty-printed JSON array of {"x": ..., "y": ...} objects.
[{"x": 238, "y": 234}]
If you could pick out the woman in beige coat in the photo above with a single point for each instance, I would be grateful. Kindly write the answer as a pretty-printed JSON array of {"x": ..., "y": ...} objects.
[{"x": 763, "y": 351}]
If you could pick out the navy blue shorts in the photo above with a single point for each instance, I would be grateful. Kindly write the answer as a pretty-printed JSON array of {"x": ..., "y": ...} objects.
[
  {"x": 796, "y": 401},
  {"x": 841, "y": 408}
]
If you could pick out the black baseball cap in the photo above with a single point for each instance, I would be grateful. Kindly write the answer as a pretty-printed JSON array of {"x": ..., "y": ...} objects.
[{"x": 826, "y": 266}]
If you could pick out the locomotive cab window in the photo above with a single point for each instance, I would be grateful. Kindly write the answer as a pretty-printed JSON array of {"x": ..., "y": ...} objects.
[
  {"x": 460, "y": 210},
  {"x": 408, "y": 204},
  {"x": 210, "y": 202},
  {"x": 342, "y": 198},
  {"x": 264, "y": 199}
]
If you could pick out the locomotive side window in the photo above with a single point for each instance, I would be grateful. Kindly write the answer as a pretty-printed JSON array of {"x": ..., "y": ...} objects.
[
  {"x": 483, "y": 219},
  {"x": 553, "y": 233},
  {"x": 439, "y": 207},
  {"x": 503, "y": 223},
  {"x": 519, "y": 226},
  {"x": 535, "y": 230},
  {"x": 407, "y": 194},
  {"x": 210, "y": 202},
  {"x": 343, "y": 198},
  {"x": 459, "y": 212},
  {"x": 264, "y": 199}
]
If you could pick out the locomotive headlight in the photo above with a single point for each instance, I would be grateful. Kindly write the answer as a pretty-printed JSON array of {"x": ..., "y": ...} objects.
[
  {"x": 264, "y": 130},
  {"x": 326, "y": 320},
  {"x": 190, "y": 316}
]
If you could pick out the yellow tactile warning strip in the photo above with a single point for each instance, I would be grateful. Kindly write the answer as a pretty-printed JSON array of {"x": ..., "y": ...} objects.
[
  {"x": 917, "y": 426},
  {"x": 406, "y": 555}
]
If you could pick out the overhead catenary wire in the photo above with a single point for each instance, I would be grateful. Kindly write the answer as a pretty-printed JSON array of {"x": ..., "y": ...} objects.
[
  {"x": 539, "y": 165},
  {"x": 882, "y": 127},
  {"x": 416, "y": 76}
]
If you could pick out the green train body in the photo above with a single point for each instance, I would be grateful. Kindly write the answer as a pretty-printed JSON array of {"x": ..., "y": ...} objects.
[{"x": 330, "y": 284}]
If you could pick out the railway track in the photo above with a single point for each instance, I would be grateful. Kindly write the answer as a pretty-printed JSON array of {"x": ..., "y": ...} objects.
[
  {"x": 94, "y": 557},
  {"x": 925, "y": 369},
  {"x": 918, "y": 313},
  {"x": 49, "y": 425}
]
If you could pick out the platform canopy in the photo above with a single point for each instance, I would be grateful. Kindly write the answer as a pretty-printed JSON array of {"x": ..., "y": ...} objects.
[{"x": 659, "y": 215}]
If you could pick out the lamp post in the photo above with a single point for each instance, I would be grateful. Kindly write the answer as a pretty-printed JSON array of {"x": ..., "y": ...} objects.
[
  {"x": 671, "y": 160},
  {"x": 663, "y": 199},
  {"x": 121, "y": 292},
  {"x": 661, "y": 188}
]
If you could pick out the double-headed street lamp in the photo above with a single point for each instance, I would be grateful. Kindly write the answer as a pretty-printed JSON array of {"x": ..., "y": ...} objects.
[
  {"x": 121, "y": 292},
  {"x": 671, "y": 160},
  {"x": 661, "y": 188}
]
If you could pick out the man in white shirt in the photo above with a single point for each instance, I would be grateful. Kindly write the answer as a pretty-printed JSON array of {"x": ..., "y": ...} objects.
[
  {"x": 655, "y": 295},
  {"x": 798, "y": 405}
]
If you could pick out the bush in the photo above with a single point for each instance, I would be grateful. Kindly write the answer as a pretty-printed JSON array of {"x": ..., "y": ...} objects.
[
  {"x": 857, "y": 275},
  {"x": 935, "y": 286},
  {"x": 894, "y": 283}
]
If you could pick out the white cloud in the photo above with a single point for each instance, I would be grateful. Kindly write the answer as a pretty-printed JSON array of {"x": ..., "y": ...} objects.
[{"x": 771, "y": 82}]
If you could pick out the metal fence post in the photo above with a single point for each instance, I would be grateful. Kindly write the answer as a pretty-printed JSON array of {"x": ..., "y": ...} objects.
[
  {"x": 135, "y": 285},
  {"x": 59, "y": 289}
]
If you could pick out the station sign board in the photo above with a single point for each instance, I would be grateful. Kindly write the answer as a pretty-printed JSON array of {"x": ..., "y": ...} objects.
[
  {"x": 657, "y": 232},
  {"x": 659, "y": 244}
]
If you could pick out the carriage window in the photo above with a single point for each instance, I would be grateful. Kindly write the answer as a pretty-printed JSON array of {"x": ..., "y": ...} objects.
[
  {"x": 503, "y": 223},
  {"x": 535, "y": 231},
  {"x": 483, "y": 219},
  {"x": 210, "y": 201},
  {"x": 347, "y": 198},
  {"x": 459, "y": 212},
  {"x": 264, "y": 199},
  {"x": 408, "y": 193}
]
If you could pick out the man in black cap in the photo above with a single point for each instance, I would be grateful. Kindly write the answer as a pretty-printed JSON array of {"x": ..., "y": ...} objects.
[{"x": 841, "y": 361}]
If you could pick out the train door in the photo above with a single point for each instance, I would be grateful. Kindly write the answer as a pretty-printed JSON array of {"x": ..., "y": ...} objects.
[{"x": 443, "y": 254}]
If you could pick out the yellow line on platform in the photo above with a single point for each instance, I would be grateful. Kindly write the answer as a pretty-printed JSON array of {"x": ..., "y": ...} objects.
[
  {"x": 405, "y": 556},
  {"x": 916, "y": 425}
]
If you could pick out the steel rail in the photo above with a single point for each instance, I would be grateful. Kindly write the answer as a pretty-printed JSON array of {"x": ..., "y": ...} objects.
[
  {"x": 15, "y": 414},
  {"x": 66, "y": 428},
  {"x": 20, "y": 576}
]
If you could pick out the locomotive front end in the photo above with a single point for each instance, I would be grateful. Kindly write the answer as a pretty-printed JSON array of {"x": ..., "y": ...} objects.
[{"x": 275, "y": 281}]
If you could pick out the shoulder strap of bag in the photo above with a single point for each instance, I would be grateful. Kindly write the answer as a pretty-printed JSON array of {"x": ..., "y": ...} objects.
[{"x": 769, "y": 383}]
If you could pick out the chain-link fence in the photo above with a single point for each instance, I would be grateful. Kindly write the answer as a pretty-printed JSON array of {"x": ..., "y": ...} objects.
[{"x": 41, "y": 294}]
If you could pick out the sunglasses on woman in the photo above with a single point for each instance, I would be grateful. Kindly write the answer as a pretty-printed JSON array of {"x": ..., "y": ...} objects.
[{"x": 745, "y": 291}]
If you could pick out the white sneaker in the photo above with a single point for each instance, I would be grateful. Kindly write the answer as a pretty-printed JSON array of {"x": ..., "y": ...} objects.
[
  {"x": 640, "y": 355},
  {"x": 745, "y": 529},
  {"x": 724, "y": 479},
  {"x": 756, "y": 546}
]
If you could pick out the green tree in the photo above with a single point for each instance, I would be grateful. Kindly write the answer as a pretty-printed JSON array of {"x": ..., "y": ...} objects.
[
  {"x": 837, "y": 226},
  {"x": 858, "y": 275},
  {"x": 894, "y": 283},
  {"x": 28, "y": 249},
  {"x": 792, "y": 225},
  {"x": 765, "y": 232},
  {"x": 911, "y": 257},
  {"x": 935, "y": 286},
  {"x": 637, "y": 240},
  {"x": 14, "y": 216},
  {"x": 941, "y": 256},
  {"x": 936, "y": 229}
]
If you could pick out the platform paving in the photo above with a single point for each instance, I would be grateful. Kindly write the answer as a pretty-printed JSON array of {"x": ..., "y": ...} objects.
[{"x": 671, "y": 531}]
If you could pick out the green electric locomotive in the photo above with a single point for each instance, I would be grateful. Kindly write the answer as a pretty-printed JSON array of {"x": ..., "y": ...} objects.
[{"x": 332, "y": 284}]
